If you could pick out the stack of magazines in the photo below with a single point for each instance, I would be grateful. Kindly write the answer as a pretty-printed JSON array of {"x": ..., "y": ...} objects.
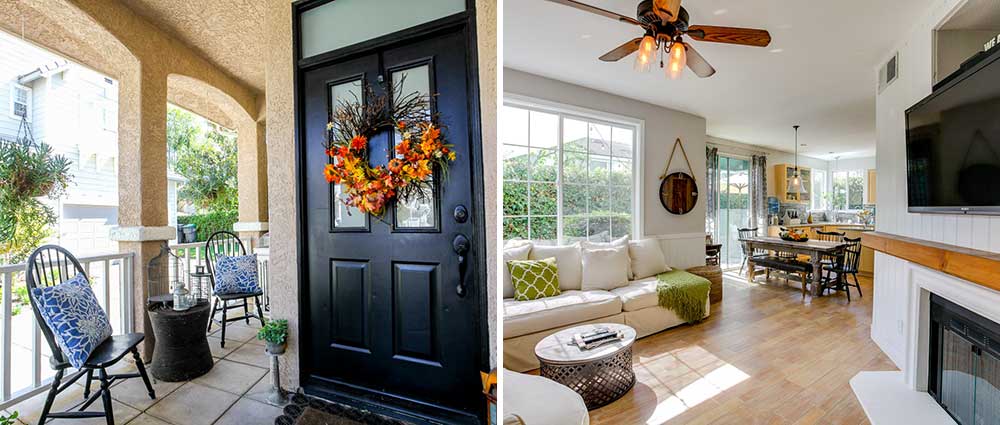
[{"x": 596, "y": 338}]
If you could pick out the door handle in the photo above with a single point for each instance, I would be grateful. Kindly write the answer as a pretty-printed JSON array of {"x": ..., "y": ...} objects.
[{"x": 461, "y": 246}]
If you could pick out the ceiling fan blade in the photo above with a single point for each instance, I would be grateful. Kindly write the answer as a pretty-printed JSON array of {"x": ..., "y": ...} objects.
[
  {"x": 697, "y": 63},
  {"x": 621, "y": 51},
  {"x": 597, "y": 11},
  {"x": 667, "y": 9},
  {"x": 731, "y": 35}
]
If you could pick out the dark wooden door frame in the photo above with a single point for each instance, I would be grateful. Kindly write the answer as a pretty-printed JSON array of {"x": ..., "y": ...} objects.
[{"x": 464, "y": 21}]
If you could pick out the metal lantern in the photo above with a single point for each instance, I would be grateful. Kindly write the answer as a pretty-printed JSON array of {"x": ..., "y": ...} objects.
[
  {"x": 164, "y": 284},
  {"x": 199, "y": 283},
  {"x": 181, "y": 296}
]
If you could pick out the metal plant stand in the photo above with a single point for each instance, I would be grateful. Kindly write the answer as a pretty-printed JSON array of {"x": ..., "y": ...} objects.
[{"x": 277, "y": 395}]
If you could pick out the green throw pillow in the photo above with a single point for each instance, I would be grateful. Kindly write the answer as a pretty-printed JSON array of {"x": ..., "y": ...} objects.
[{"x": 534, "y": 279}]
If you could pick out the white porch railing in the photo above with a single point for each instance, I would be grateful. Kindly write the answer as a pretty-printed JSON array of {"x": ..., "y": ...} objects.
[{"x": 23, "y": 352}]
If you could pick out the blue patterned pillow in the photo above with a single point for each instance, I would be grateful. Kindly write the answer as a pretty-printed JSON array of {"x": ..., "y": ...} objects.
[
  {"x": 236, "y": 275},
  {"x": 77, "y": 321}
]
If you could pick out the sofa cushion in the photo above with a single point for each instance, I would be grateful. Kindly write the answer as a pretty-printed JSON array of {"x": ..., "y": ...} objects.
[
  {"x": 512, "y": 253},
  {"x": 567, "y": 261},
  {"x": 622, "y": 241},
  {"x": 534, "y": 279},
  {"x": 605, "y": 268},
  {"x": 646, "y": 258},
  {"x": 525, "y": 317},
  {"x": 638, "y": 294}
]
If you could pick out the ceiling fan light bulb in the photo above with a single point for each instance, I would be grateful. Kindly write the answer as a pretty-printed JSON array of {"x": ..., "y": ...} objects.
[
  {"x": 644, "y": 57},
  {"x": 678, "y": 60}
]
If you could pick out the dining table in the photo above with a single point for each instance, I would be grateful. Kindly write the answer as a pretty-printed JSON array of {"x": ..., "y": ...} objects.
[{"x": 814, "y": 249}]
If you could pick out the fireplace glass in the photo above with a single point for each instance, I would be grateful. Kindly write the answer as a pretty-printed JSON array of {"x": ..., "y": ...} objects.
[{"x": 964, "y": 363}]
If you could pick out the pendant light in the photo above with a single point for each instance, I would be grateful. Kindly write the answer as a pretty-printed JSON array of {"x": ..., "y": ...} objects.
[{"x": 796, "y": 186}]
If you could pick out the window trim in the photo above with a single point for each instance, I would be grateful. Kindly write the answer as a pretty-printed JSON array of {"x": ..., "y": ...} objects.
[
  {"x": 591, "y": 115},
  {"x": 13, "y": 95},
  {"x": 864, "y": 191},
  {"x": 827, "y": 187}
]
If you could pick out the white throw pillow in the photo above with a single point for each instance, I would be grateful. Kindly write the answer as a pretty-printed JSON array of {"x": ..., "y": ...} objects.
[
  {"x": 517, "y": 252},
  {"x": 620, "y": 242},
  {"x": 605, "y": 269},
  {"x": 568, "y": 263},
  {"x": 646, "y": 258}
]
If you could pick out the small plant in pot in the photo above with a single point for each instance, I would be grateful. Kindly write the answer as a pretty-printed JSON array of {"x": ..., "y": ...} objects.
[{"x": 275, "y": 333}]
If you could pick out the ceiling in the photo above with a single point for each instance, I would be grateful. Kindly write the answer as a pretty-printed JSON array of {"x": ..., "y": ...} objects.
[
  {"x": 819, "y": 70},
  {"x": 229, "y": 33},
  {"x": 981, "y": 15}
]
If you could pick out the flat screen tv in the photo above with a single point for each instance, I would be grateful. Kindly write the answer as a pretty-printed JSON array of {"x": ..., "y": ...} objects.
[{"x": 953, "y": 144}]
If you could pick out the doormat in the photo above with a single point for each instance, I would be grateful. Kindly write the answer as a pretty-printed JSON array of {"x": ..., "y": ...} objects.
[{"x": 305, "y": 410}]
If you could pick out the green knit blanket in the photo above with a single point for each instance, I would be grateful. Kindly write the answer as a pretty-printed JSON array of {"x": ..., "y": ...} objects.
[{"x": 684, "y": 293}]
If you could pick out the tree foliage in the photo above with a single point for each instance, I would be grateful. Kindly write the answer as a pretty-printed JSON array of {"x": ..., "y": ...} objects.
[
  {"x": 207, "y": 159},
  {"x": 29, "y": 173}
]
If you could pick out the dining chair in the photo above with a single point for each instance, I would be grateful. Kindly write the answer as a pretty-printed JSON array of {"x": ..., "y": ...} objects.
[
  {"x": 845, "y": 265},
  {"x": 830, "y": 236},
  {"x": 51, "y": 265},
  {"x": 744, "y": 234},
  {"x": 223, "y": 243}
]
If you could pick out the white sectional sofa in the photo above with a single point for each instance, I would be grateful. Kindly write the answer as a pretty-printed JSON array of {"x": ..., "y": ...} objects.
[{"x": 525, "y": 323}]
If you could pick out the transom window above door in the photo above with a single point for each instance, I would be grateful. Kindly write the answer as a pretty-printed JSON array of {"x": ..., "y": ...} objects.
[{"x": 566, "y": 178}]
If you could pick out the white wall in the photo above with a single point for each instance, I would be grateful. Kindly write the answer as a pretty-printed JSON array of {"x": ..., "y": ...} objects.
[
  {"x": 890, "y": 315},
  {"x": 661, "y": 127}
]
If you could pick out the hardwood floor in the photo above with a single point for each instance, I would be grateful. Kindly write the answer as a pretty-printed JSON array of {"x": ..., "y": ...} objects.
[{"x": 764, "y": 356}]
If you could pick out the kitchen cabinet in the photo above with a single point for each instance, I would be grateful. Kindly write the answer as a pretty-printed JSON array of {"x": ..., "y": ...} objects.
[
  {"x": 871, "y": 186},
  {"x": 783, "y": 174}
]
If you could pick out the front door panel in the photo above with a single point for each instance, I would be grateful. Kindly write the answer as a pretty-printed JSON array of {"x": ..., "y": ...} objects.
[{"x": 383, "y": 309}]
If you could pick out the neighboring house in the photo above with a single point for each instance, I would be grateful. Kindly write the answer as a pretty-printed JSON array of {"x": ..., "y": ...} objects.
[{"x": 75, "y": 110}]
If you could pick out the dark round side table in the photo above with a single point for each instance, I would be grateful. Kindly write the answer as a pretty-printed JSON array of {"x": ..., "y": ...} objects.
[
  {"x": 181, "y": 352},
  {"x": 600, "y": 375}
]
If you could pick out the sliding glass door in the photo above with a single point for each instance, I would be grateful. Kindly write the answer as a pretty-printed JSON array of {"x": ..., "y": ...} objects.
[{"x": 734, "y": 208}]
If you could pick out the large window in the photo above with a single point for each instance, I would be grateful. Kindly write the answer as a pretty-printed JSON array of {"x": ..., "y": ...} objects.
[
  {"x": 818, "y": 189},
  {"x": 566, "y": 178},
  {"x": 848, "y": 190}
]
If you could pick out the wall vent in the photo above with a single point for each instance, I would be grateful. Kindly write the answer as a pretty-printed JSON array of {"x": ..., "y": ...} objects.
[{"x": 888, "y": 72}]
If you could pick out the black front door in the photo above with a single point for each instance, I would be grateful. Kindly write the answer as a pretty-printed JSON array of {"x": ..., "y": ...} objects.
[{"x": 390, "y": 312}]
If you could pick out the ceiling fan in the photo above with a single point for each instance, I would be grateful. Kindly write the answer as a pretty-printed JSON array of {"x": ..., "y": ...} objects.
[{"x": 665, "y": 23}]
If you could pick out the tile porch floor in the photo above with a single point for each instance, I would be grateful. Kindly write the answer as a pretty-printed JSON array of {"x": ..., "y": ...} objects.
[{"x": 234, "y": 392}]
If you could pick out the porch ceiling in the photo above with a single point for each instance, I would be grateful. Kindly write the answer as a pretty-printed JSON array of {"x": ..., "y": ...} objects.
[{"x": 230, "y": 33}]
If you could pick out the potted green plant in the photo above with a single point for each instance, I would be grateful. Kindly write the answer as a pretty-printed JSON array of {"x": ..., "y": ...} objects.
[
  {"x": 275, "y": 333},
  {"x": 8, "y": 420}
]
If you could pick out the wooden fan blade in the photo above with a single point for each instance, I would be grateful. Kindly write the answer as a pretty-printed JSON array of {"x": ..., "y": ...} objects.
[
  {"x": 697, "y": 63},
  {"x": 731, "y": 35},
  {"x": 667, "y": 9},
  {"x": 621, "y": 51},
  {"x": 597, "y": 11}
]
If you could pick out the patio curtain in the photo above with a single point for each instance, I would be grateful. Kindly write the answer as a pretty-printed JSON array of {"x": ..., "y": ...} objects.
[
  {"x": 758, "y": 193},
  {"x": 712, "y": 188}
]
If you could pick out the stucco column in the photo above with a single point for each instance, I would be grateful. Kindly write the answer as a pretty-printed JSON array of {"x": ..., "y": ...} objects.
[
  {"x": 282, "y": 210},
  {"x": 251, "y": 176},
  {"x": 142, "y": 182}
]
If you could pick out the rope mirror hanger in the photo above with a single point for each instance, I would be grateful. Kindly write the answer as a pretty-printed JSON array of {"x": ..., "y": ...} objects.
[{"x": 678, "y": 190}]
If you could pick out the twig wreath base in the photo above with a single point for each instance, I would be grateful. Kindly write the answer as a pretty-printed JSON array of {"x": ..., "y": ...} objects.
[{"x": 421, "y": 152}]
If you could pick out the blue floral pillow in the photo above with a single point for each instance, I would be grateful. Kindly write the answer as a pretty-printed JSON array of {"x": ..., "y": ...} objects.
[
  {"x": 236, "y": 275},
  {"x": 77, "y": 321}
]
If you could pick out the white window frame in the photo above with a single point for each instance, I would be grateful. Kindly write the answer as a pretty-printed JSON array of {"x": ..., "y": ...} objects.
[
  {"x": 817, "y": 202},
  {"x": 864, "y": 190},
  {"x": 591, "y": 115},
  {"x": 13, "y": 95}
]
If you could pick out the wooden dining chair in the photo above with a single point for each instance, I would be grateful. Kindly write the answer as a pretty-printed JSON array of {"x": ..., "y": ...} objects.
[
  {"x": 845, "y": 265},
  {"x": 51, "y": 265},
  {"x": 220, "y": 244},
  {"x": 744, "y": 234}
]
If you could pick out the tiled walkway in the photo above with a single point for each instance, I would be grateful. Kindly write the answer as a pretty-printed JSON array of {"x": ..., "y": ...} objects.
[{"x": 234, "y": 392}]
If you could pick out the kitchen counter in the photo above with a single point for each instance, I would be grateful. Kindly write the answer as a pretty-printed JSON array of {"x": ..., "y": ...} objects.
[
  {"x": 851, "y": 226},
  {"x": 851, "y": 230}
]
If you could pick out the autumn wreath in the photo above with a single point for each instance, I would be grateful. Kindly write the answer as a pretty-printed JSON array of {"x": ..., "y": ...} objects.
[{"x": 419, "y": 154}]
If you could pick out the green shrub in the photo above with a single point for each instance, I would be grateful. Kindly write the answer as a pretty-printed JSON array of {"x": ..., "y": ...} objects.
[
  {"x": 207, "y": 224},
  {"x": 8, "y": 420},
  {"x": 28, "y": 173}
]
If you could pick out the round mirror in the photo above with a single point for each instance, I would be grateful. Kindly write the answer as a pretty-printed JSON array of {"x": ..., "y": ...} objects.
[{"x": 678, "y": 193}]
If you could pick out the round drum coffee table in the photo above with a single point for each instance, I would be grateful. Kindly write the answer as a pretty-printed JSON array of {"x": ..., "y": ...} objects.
[{"x": 600, "y": 375}]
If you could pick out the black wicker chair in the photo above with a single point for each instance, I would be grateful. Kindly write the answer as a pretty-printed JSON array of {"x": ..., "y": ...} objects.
[
  {"x": 51, "y": 265},
  {"x": 225, "y": 243}
]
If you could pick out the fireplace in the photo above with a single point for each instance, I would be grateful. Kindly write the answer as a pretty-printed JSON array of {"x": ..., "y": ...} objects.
[{"x": 964, "y": 363}]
